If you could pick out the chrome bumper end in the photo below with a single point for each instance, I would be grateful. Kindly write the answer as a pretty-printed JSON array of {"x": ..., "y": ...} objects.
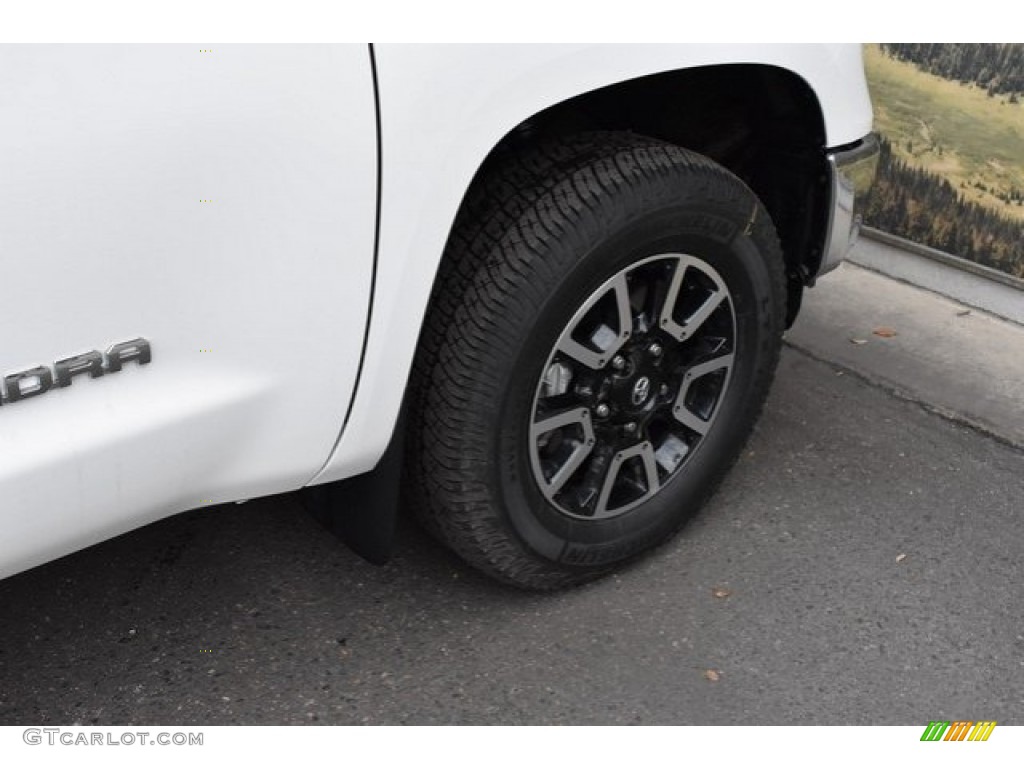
[{"x": 853, "y": 171}]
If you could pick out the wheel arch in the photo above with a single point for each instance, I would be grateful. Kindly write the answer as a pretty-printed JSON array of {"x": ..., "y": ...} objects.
[
  {"x": 441, "y": 129},
  {"x": 762, "y": 122}
]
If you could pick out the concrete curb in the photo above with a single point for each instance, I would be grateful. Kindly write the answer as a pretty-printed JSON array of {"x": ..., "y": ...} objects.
[
  {"x": 944, "y": 258},
  {"x": 919, "y": 345},
  {"x": 963, "y": 281}
]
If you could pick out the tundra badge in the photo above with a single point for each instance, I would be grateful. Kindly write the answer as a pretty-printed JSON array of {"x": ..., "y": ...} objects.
[{"x": 35, "y": 381}]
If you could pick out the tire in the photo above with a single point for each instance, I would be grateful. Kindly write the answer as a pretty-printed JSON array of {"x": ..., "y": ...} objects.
[{"x": 516, "y": 400}]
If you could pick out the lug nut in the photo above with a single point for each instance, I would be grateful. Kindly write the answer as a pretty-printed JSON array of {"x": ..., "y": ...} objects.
[
  {"x": 663, "y": 390},
  {"x": 602, "y": 410},
  {"x": 655, "y": 349},
  {"x": 630, "y": 427},
  {"x": 618, "y": 362}
]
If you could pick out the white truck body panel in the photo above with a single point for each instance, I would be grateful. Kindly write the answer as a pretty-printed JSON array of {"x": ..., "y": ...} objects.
[
  {"x": 255, "y": 303},
  {"x": 222, "y": 203}
]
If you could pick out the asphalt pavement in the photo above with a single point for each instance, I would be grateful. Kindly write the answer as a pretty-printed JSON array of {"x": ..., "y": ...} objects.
[{"x": 860, "y": 565}]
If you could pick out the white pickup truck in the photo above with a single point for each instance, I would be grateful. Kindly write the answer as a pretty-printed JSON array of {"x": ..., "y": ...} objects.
[{"x": 535, "y": 293}]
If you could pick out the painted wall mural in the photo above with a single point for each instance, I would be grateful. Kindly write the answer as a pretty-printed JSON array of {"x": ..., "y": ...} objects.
[{"x": 951, "y": 172}]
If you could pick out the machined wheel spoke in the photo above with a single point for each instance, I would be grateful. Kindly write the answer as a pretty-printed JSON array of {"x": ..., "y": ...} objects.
[
  {"x": 696, "y": 318},
  {"x": 573, "y": 416},
  {"x": 621, "y": 288},
  {"x": 709, "y": 366},
  {"x": 672, "y": 297},
  {"x": 688, "y": 418},
  {"x": 703, "y": 312},
  {"x": 607, "y": 340},
  {"x": 650, "y": 468},
  {"x": 581, "y": 354},
  {"x": 681, "y": 411},
  {"x": 615, "y": 466}
]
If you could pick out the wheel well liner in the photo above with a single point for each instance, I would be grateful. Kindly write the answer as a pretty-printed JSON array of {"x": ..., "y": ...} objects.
[{"x": 763, "y": 123}]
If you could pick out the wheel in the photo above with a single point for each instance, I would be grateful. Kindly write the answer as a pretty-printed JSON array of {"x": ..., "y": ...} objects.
[{"x": 600, "y": 341}]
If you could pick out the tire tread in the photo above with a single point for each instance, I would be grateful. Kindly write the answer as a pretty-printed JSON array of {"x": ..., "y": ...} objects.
[{"x": 495, "y": 267}]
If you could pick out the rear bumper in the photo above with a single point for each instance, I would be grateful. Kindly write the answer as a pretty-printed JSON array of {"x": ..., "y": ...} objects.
[{"x": 853, "y": 170}]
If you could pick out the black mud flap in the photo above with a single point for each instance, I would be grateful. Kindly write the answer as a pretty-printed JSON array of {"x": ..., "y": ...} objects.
[{"x": 363, "y": 510}]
